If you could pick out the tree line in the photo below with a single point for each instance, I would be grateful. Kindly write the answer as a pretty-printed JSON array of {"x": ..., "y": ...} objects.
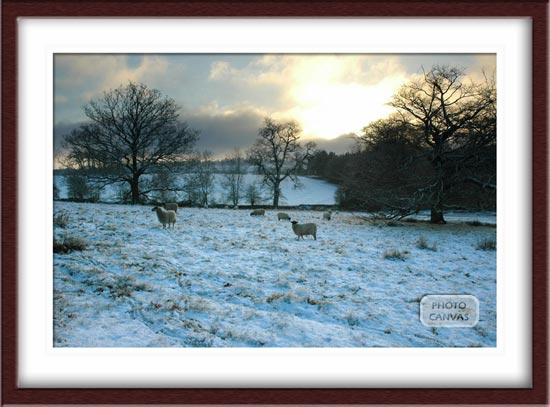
[{"x": 436, "y": 151}]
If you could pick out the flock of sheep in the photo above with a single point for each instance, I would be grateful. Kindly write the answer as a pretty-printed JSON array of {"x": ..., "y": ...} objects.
[{"x": 167, "y": 216}]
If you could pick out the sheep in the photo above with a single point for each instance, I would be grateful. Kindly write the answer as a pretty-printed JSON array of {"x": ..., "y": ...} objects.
[
  {"x": 304, "y": 229},
  {"x": 327, "y": 215},
  {"x": 165, "y": 217},
  {"x": 171, "y": 206},
  {"x": 282, "y": 215},
  {"x": 257, "y": 212}
]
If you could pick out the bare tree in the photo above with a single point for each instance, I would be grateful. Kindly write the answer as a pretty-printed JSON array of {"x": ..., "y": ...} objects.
[
  {"x": 164, "y": 185},
  {"x": 278, "y": 155},
  {"x": 80, "y": 188},
  {"x": 457, "y": 122},
  {"x": 200, "y": 181},
  {"x": 132, "y": 131},
  {"x": 253, "y": 193},
  {"x": 233, "y": 176}
]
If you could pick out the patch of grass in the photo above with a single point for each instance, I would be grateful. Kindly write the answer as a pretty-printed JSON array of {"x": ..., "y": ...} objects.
[
  {"x": 482, "y": 332},
  {"x": 174, "y": 306},
  {"x": 274, "y": 297},
  {"x": 394, "y": 254},
  {"x": 422, "y": 244},
  {"x": 121, "y": 291},
  {"x": 410, "y": 220},
  {"x": 314, "y": 301},
  {"x": 391, "y": 223},
  {"x": 126, "y": 286},
  {"x": 197, "y": 304},
  {"x": 69, "y": 244},
  {"x": 487, "y": 244},
  {"x": 61, "y": 219},
  {"x": 477, "y": 223}
]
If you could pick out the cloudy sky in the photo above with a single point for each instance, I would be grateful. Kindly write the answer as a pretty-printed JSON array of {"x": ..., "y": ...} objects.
[{"x": 226, "y": 96}]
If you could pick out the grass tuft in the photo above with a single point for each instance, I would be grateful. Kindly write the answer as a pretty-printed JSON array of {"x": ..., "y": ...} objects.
[
  {"x": 274, "y": 297},
  {"x": 61, "y": 219},
  {"x": 126, "y": 286},
  {"x": 422, "y": 244},
  {"x": 69, "y": 244},
  {"x": 487, "y": 244},
  {"x": 393, "y": 254}
]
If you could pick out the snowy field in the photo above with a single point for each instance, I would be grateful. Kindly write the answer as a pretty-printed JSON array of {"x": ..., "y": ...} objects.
[
  {"x": 311, "y": 191},
  {"x": 222, "y": 278}
]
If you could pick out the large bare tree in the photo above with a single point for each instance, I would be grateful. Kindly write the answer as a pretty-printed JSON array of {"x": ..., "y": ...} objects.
[
  {"x": 133, "y": 130},
  {"x": 456, "y": 120},
  {"x": 277, "y": 154}
]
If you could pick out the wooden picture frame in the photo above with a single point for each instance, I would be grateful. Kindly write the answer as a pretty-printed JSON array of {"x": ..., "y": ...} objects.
[{"x": 536, "y": 11}]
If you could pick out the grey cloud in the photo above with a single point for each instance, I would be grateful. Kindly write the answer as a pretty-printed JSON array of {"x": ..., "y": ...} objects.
[
  {"x": 339, "y": 145},
  {"x": 60, "y": 130},
  {"x": 218, "y": 133},
  {"x": 223, "y": 133}
]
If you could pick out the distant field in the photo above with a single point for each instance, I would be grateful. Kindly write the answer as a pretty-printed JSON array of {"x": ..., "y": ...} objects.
[
  {"x": 313, "y": 191},
  {"x": 222, "y": 278}
]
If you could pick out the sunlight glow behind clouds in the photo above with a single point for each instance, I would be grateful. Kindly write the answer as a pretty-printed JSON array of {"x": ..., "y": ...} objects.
[
  {"x": 329, "y": 95},
  {"x": 228, "y": 94},
  {"x": 335, "y": 109}
]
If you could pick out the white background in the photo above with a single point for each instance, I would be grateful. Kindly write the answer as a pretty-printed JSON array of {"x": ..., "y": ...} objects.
[{"x": 507, "y": 365}]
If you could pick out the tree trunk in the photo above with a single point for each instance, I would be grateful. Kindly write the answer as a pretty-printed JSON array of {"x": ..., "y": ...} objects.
[
  {"x": 437, "y": 216},
  {"x": 276, "y": 194},
  {"x": 134, "y": 185}
]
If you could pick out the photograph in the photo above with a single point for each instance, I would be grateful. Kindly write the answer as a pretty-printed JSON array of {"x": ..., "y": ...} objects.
[
  {"x": 274, "y": 203},
  {"x": 278, "y": 200}
]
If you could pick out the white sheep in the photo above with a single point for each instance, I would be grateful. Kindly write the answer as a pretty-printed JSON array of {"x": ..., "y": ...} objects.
[
  {"x": 327, "y": 215},
  {"x": 304, "y": 229},
  {"x": 171, "y": 206},
  {"x": 257, "y": 212},
  {"x": 282, "y": 215},
  {"x": 165, "y": 217}
]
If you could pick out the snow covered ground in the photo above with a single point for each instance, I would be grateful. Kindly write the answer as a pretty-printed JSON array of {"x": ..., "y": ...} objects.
[
  {"x": 312, "y": 191},
  {"x": 461, "y": 216},
  {"x": 222, "y": 278}
]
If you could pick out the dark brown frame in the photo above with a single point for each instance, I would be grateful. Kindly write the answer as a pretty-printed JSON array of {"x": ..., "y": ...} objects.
[{"x": 537, "y": 11}]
